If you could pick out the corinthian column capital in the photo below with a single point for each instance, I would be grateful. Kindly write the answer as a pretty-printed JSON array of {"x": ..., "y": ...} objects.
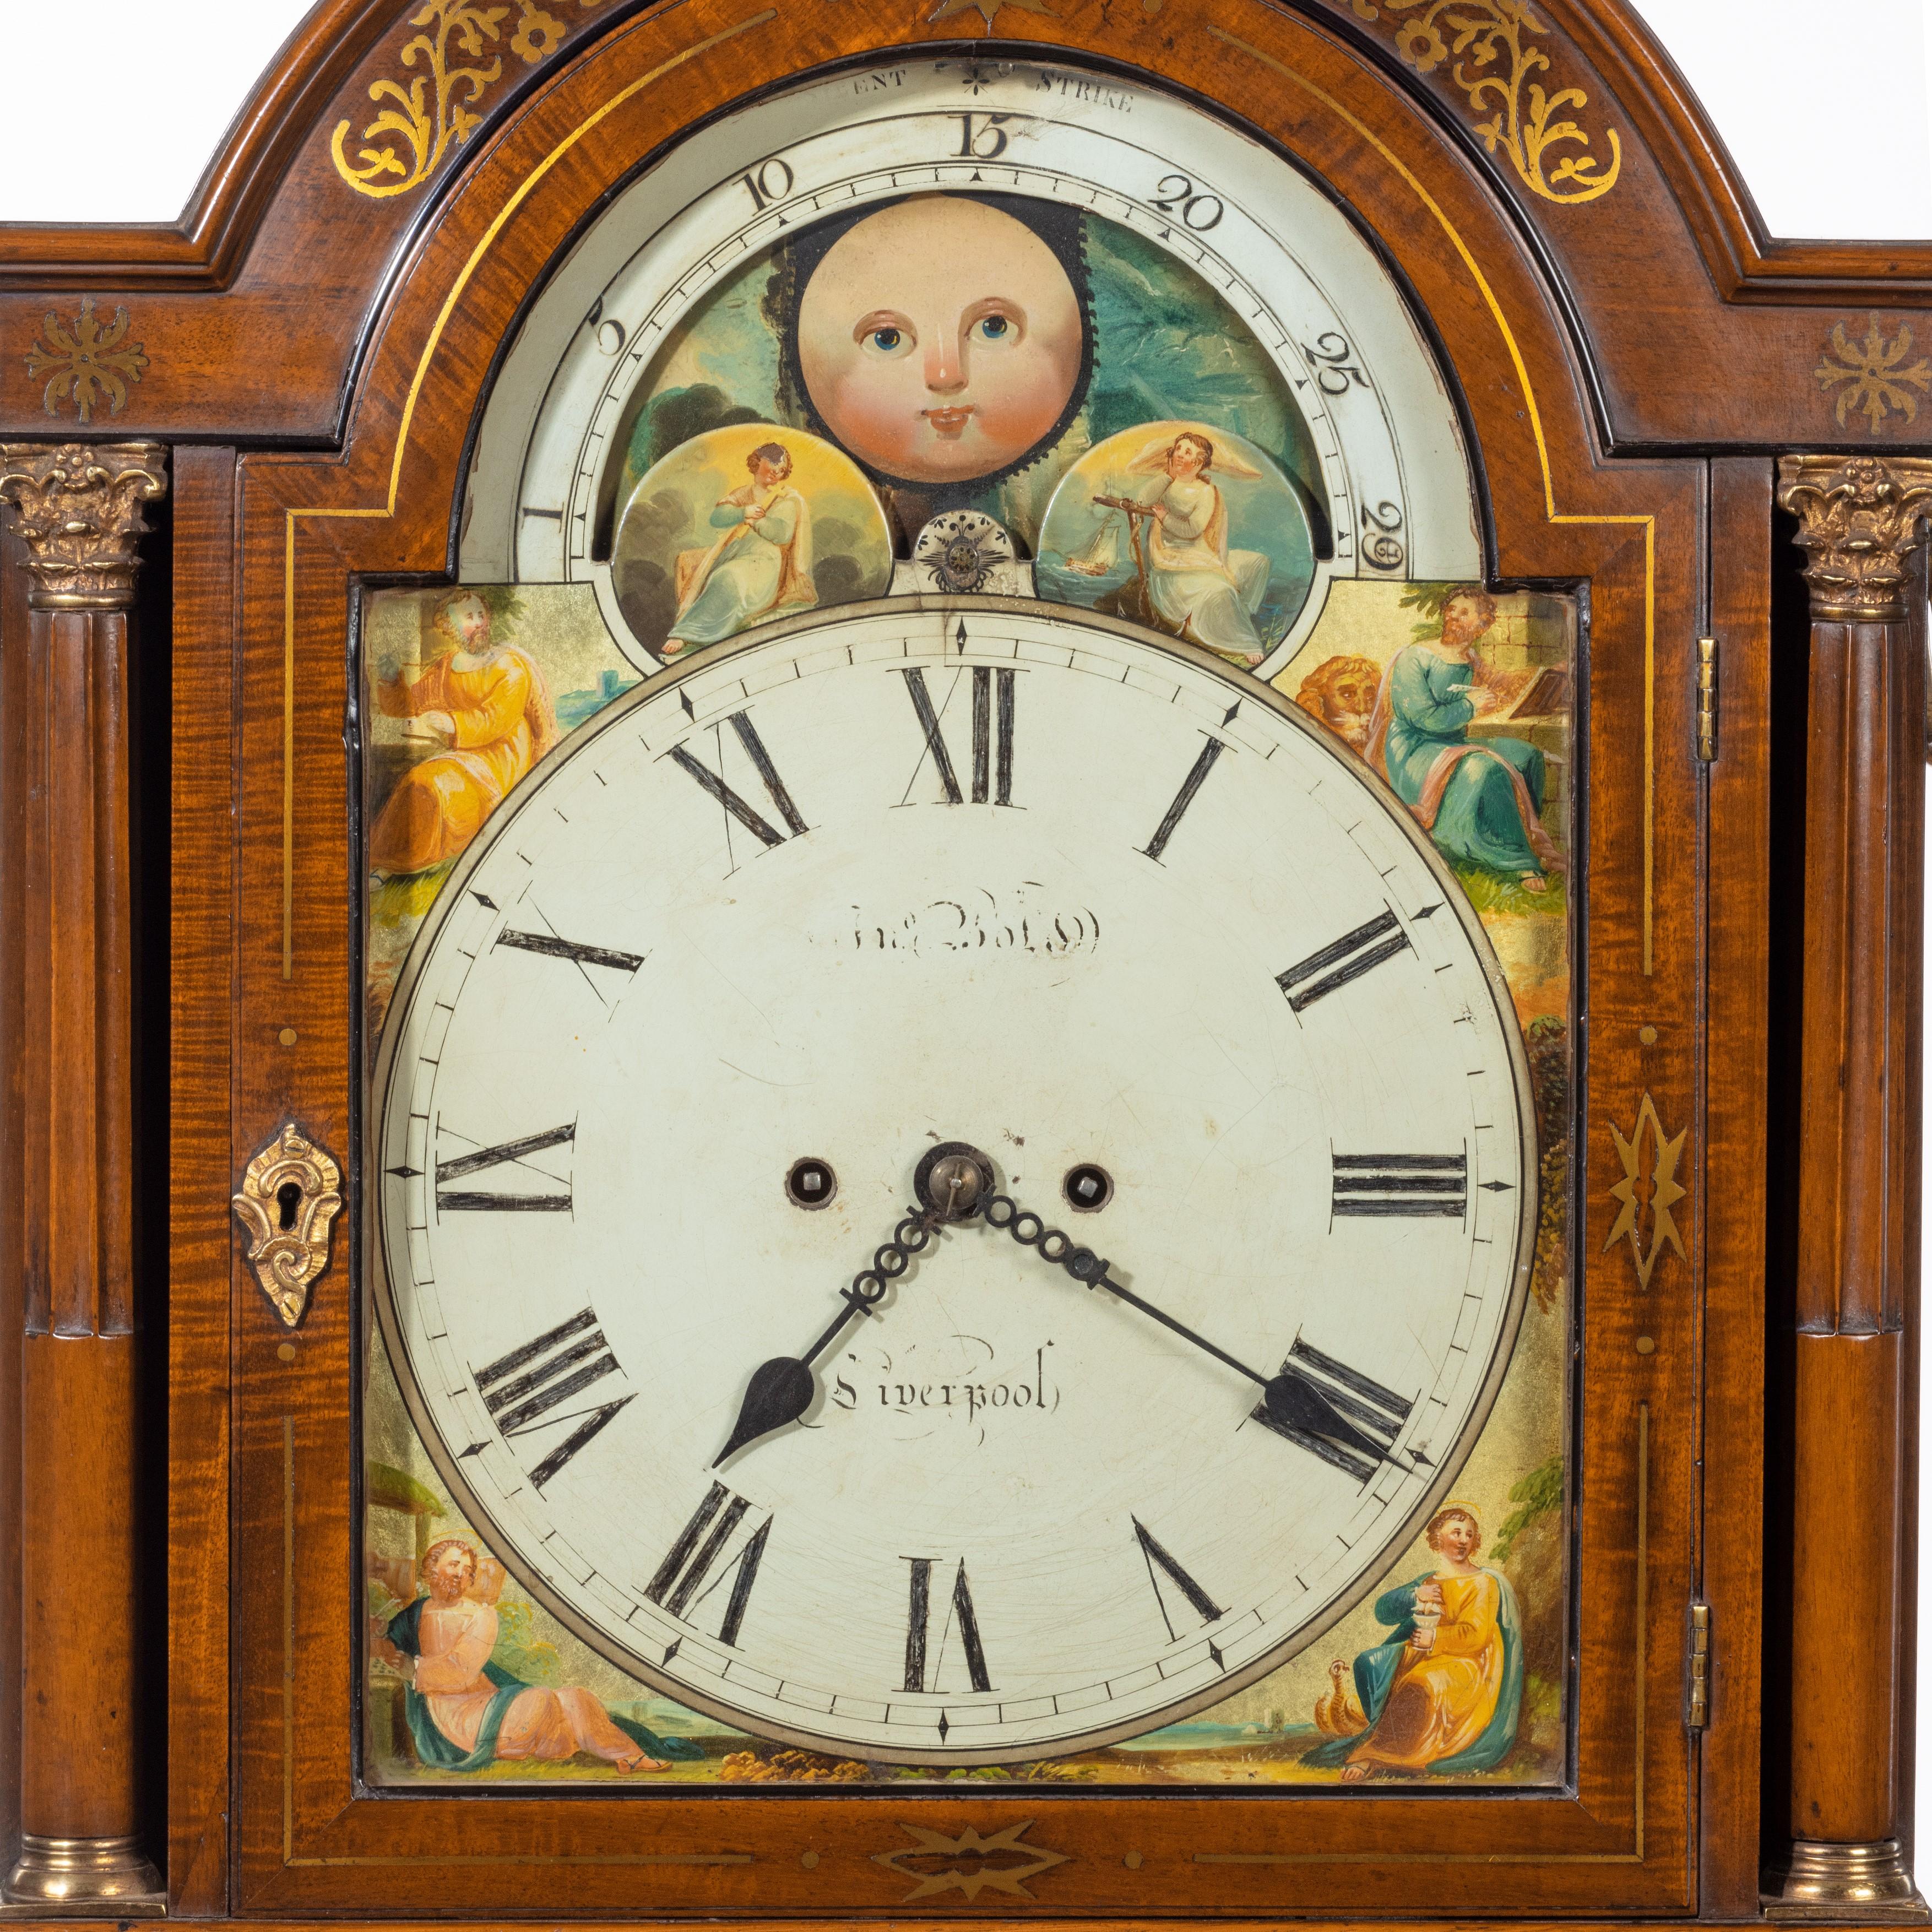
[
  {"x": 1860, "y": 518},
  {"x": 77, "y": 507}
]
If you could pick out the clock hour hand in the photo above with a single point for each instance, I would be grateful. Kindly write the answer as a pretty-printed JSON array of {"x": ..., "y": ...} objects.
[
  {"x": 951, "y": 1179},
  {"x": 1290, "y": 1399}
]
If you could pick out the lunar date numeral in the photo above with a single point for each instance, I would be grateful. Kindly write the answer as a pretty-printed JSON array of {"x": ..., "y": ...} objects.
[
  {"x": 983, "y": 137},
  {"x": 770, "y": 181},
  {"x": 1381, "y": 546},
  {"x": 1176, "y": 195},
  {"x": 1331, "y": 358}
]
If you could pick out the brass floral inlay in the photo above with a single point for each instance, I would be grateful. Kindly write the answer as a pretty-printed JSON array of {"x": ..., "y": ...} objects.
[
  {"x": 411, "y": 134},
  {"x": 1648, "y": 1191},
  {"x": 290, "y": 1195},
  {"x": 1001, "y": 1863},
  {"x": 1495, "y": 66},
  {"x": 85, "y": 361},
  {"x": 1871, "y": 376}
]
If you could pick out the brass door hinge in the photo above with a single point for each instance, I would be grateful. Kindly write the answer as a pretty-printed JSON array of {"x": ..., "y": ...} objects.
[
  {"x": 1707, "y": 700},
  {"x": 1697, "y": 1704}
]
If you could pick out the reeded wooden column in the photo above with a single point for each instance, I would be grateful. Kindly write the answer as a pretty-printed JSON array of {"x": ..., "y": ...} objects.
[
  {"x": 77, "y": 507},
  {"x": 1862, "y": 518}
]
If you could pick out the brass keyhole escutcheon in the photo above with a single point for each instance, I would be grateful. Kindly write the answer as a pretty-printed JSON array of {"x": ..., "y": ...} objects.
[{"x": 289, "y": 1198}]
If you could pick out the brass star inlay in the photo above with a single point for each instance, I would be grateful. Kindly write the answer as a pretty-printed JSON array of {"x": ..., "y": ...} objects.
[
  {"x": 969, "y": 1861},
  {"x": 1647, "y": 1195},
  {"x": 988, "y": 11}
]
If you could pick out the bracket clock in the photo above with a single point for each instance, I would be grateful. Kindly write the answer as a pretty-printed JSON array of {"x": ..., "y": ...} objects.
[{"x": 961, "y": 962}]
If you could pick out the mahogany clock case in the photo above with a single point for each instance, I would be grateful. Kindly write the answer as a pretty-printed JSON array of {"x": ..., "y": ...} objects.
[{"x": 314, "y": 353}]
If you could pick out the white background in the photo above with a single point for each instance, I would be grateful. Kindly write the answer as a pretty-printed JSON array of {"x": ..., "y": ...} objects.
[{"x": 1829, "y": 129}]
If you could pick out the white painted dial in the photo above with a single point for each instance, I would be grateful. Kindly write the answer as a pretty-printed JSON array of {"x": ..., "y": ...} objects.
[{"x": 1142, "y": 915}]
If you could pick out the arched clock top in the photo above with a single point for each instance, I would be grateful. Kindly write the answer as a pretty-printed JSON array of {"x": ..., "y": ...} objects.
[
  {"x": 1417, "y": 342},
  {"x": 361, "y": 141}
]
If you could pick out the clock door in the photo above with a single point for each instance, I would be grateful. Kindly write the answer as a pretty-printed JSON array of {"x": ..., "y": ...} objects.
[
  {"x": 1072, "y": 1293},
  {"x": 1003, "y": 741}
]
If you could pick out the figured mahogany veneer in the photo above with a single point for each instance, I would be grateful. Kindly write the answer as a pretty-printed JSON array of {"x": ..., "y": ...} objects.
[{"x": 1635, "y": 533}]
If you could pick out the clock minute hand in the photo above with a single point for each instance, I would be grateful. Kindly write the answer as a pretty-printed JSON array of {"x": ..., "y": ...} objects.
[
  {"x": 1088, "y": 1268},
  {"x": 779, "y": 1391},
  {"x": 1289, "y": 1399}
]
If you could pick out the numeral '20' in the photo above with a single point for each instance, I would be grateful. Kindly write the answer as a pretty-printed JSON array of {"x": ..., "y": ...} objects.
[{"x": 1174, "y": 196}]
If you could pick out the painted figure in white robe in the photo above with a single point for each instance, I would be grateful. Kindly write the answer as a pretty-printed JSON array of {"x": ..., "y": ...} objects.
[
  {"x": 1205, "y": 591},
  {"x": 760, "y": 566}
]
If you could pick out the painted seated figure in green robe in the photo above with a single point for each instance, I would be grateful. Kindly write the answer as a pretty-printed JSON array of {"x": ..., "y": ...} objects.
[
  {"x": 1479, "y": 799},
  {"x": 466, "y": 1711}
]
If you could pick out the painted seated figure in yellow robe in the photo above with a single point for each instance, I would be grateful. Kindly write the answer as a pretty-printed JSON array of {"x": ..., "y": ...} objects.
[
  {"x": 1443, "y": 1695},
  {"x": 485, "y": 707}
]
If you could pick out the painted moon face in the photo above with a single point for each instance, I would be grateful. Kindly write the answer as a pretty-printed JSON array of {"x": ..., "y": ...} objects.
[{"x": 940, "y": 340}]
